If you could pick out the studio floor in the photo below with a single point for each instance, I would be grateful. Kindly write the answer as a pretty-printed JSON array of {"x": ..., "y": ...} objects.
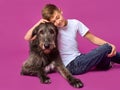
[{"x": 10, "y": 78}]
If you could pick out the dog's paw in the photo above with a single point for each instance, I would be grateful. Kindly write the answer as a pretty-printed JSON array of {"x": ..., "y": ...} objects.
[
  {"x": 23, "y": 73},
  {"x": 46, "y": 80},
  {"x": 76, "y": 83}
]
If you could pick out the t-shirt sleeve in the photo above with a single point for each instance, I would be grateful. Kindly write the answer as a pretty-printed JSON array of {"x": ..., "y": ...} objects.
[{"x": 82, "y": 29}]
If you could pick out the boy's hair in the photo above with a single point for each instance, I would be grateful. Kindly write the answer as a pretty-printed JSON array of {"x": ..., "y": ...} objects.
[{"x": 48, "y": 11}]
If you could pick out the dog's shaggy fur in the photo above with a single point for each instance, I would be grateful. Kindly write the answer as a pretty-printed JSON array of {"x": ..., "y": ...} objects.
[{"x": 44, "y": 56}]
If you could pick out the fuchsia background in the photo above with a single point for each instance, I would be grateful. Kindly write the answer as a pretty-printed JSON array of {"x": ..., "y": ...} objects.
[{"x": 17, "y": 16}]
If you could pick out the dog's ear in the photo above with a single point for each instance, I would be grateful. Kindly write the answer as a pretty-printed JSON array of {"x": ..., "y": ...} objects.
[{"x": 35, "y": 31}]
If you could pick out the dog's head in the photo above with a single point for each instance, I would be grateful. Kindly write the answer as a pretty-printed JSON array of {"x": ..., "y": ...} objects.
[{"x": 46, "y": 37}]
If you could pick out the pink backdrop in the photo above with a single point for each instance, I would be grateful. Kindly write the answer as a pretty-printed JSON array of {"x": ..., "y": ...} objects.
[{"x": 17, "y": 16}]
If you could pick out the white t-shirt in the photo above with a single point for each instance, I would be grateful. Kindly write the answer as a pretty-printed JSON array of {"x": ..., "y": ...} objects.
[{"x": 67, "y": 40}]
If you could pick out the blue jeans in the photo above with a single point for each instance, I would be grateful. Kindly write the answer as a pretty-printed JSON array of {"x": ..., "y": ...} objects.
[{"x": 96, "y": 58}]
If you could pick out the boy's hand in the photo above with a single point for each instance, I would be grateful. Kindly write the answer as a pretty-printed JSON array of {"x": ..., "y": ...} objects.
[
  {"x": 113, "y": 52},
  {"x": 43, "y": 20}
]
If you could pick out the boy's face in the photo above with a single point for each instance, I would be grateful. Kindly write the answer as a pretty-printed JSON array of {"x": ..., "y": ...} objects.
[{"x": 57, "y": 19}]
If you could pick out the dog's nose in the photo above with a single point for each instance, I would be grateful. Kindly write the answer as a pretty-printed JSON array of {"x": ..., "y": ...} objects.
[{"x": 46, "y": 45}]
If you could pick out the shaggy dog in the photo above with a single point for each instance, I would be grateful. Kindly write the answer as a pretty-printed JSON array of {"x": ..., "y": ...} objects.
[{"x": 44, "y": 56}]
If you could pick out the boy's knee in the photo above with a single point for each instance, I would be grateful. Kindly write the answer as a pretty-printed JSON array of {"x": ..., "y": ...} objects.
[
  {"x": 107, "y": 47},
  {"x": 103, "y": 49}
]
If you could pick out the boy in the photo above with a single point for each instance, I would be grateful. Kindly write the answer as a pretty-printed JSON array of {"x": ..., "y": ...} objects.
[{"x": 73, "y": 59}]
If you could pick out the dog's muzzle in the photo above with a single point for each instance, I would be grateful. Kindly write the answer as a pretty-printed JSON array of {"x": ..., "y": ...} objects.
[{"x": 48, "y": 47}]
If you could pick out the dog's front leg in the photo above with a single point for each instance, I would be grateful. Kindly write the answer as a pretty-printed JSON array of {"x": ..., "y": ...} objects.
[
  {"x": 43, "y": 76},
  {"x": 68, "y": 76}
]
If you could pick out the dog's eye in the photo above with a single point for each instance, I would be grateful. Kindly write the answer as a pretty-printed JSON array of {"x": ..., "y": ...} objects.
[
  {"x": 41, "y": 32},
  {"x": 51, "y": 31}
]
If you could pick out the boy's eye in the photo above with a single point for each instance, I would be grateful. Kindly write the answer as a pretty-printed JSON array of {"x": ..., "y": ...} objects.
[{"x": 57, "y": 17}]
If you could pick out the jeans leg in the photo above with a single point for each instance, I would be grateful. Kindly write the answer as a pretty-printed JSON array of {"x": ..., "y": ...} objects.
[
  {"x": 116, "y": 58},
  {"x": 85, "y": 62}
]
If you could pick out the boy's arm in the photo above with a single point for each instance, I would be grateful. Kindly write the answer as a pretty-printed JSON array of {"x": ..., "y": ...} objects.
[
  {"x": 28, "y": 35},
  {"x": 94, "y": 39},
  {"x": 98, "y": 41}
]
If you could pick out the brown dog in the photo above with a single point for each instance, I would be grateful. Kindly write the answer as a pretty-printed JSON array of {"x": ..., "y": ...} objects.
[{"x": 44, "y": 56}]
